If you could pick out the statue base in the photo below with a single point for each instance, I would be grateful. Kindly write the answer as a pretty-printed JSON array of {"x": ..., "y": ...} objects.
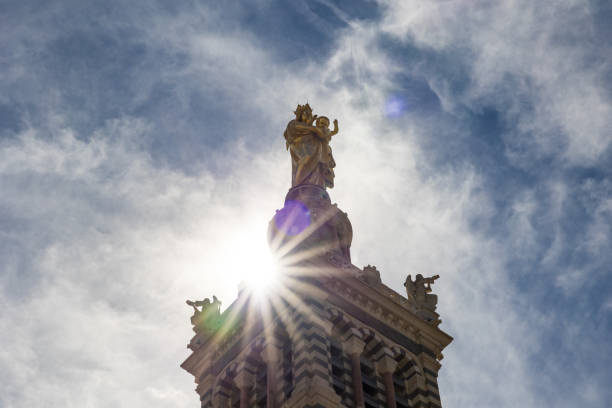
[{"x": 310, "y": 226}]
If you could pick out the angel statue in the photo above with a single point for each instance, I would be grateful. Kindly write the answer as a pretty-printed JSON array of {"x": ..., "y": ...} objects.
[
  {"x": 207, "y": 317},
  {"x": 419, "y": 290},
  {"x": 311, "y": 156}
]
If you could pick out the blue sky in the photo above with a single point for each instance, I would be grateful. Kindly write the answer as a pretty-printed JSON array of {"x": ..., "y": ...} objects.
[{"x": 141, "y": 157}]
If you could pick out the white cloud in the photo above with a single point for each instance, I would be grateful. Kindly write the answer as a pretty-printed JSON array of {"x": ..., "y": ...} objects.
[
  {"x": 127, "y": 243},
  {"x": 113, "y": 243},
  {"x": 521, "y": 56}
]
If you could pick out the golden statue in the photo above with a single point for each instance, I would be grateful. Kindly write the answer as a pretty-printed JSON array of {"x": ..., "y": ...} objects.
[{"x": 311, "y": 156}]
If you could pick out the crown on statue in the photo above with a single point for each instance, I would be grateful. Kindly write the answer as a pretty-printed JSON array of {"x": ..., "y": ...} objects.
[{"x": 302, "y": 108}]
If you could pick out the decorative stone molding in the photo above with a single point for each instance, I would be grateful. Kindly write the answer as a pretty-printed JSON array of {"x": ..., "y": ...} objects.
[
  {"x": 318, "y": 393},
  {"x": 385, "y": 362},
  {"x": 399, "y": 321},
  {"x": 353, "y": 344}
]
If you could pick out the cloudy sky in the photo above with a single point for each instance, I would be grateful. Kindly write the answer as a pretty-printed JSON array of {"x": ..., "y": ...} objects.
[{"x": 141, "y": 158}]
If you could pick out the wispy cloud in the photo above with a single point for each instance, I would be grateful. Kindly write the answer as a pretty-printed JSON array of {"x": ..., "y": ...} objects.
[
  {"x": 149, "y": 153},
  {"x": 541, "y": 65}
]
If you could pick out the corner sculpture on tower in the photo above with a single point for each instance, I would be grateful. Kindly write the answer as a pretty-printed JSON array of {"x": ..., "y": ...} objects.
[{"x": 328, "y": 334}]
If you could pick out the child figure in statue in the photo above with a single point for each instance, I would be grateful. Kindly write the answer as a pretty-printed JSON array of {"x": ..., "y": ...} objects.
[
  {"x": 327, "y": 160},
  {"x": 322, "y": 124}
]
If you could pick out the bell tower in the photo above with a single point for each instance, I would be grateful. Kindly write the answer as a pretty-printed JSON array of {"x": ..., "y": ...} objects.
[{"x": 327, "y": 333}]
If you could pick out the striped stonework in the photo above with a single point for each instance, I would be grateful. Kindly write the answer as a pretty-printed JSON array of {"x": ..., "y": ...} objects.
[{"x": 332, "y": 339}]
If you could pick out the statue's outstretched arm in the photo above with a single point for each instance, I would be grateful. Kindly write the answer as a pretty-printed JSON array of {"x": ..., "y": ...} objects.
[{"x": 335, "y": 131}]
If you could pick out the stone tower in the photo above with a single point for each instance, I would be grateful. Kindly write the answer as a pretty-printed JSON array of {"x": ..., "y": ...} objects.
[{"x": 327, "y": 334}]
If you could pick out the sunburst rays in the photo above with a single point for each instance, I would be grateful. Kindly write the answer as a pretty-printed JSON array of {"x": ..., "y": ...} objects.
[{"x": 271, "y": 294}]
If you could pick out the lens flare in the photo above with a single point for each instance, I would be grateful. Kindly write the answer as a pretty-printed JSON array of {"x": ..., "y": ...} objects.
[
  {"x": 293, "y": 218},
  {"x": 394, "y": 107}
]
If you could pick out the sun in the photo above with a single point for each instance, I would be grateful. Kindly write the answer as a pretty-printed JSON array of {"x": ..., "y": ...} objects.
[
  {"x": 245, "y": 260},
  {"x": 262, "y": 275},
  {"x": 253, "y": 263}
]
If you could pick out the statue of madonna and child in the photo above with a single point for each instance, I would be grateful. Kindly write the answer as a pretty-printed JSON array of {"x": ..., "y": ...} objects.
[
  {"x": 311, "y": 156},
  {"x": 308, "y": 219}
]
